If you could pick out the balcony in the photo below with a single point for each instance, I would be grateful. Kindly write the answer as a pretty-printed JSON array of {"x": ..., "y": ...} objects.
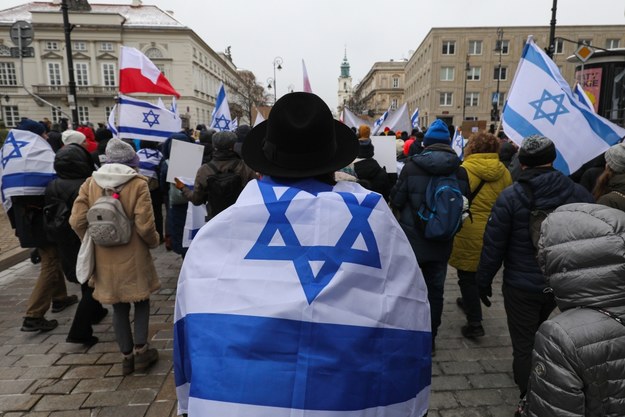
[{"x": 90, "y": 91}]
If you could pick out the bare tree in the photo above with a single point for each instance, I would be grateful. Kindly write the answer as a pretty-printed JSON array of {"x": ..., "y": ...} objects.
[
  {"x": 249, "y": 94},
  {"x": 356, "y": 104}
]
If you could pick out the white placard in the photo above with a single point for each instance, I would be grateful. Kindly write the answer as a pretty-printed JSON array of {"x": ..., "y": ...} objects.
[
  {"x": 384, "y": 152},
  {"x": 184, "y": 161}
]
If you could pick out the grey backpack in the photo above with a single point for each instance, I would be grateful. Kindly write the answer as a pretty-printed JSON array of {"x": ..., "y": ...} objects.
[{"x": 108, "y": 224}]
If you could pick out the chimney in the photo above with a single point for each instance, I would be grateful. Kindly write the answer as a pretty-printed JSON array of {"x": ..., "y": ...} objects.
[{"x": 137, "y": 3}]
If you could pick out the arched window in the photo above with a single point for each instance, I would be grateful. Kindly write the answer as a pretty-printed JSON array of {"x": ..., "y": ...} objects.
[{"x": 153, "y": 53}]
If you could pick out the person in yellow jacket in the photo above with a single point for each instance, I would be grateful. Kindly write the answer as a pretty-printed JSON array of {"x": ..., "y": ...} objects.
[{"x": 487, "y": 178}]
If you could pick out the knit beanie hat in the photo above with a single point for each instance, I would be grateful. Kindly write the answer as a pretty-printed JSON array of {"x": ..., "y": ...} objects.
[
  {"x": 365, "y": 148},
  {"x": 73, "y": 136},
  {"x": 615, "y": 158},
  {"x": 364, "y": 131},
  {"x": 224, "y": 140},
  {"x": 119, "y": 152},
  {"x": 438, "y": 132},
  {"x": 31, "y": 126},
  {"x": 537, "y": 150},
  {"x": 399, "y": 147},
  {"x": 103, "y": 134}
]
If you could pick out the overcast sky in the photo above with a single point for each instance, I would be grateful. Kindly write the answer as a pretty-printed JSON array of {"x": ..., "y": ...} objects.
[{"x": 318, "y": 31}]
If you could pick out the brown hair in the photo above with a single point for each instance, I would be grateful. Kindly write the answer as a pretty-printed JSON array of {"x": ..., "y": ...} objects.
[
  {"x": 482, "y": 142},
  {"x": 601, "y": 187}
]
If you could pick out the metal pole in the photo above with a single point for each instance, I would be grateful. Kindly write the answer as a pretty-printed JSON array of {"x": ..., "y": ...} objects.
[
  {"x": 552, "y": 30},
  {"x": 464, "y": 93},
  {"x": 70, "y": 63},
  {"x": 275, "y": 89}
]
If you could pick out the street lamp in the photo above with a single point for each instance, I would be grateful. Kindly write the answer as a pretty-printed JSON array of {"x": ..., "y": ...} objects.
[
  {"x": 270, "y": 83},
  {"x": 277, "y": 63},
  {"x": 467, "y": 67},
  {"x": 498, "y": 48}
]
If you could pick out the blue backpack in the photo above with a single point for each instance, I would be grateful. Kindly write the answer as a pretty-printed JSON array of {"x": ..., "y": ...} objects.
[{"x": 440, "y": 213}]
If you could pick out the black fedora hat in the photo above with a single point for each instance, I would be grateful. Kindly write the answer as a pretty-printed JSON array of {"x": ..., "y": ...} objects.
[{"x": 299, "y": 139}]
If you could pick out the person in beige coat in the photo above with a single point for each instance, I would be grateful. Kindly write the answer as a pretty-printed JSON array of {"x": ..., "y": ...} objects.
[{"x": 124, "y": 274}]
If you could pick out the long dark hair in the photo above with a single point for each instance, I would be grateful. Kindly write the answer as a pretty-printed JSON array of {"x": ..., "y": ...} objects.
[{"x": 601, "y": 188}]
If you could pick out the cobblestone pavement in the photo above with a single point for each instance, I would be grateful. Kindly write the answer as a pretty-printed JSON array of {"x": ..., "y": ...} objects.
[{"x": 42, "y": 376}]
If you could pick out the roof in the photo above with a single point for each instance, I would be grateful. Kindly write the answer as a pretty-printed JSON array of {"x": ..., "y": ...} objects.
[{"x": 140, "y": 16}]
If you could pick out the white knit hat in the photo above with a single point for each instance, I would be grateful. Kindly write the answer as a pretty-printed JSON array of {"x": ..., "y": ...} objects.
[{"x": 73, "y": 136}]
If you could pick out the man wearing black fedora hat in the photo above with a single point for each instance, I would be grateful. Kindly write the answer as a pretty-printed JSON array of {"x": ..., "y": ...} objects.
[{"x": 312, "y": 299}]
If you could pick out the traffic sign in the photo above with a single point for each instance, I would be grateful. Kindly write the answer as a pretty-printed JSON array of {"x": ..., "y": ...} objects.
[
  {"x": 584, "y": 52},
  {"x": 24, "y": 30}
]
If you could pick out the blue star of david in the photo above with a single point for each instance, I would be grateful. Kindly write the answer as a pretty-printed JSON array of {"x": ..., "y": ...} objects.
[
  {"x": 151, "y": 118},
  {"x": 547, "y": 97},
  {"x": 301, "y": 256},
  {"x": 150, "y": 153},
  {"x": 219, "y": 120},
  {"x": 15, "y": 152}
]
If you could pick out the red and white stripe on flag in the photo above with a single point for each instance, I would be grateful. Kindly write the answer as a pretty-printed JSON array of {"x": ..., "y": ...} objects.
[{"x": 137, "y": 74}]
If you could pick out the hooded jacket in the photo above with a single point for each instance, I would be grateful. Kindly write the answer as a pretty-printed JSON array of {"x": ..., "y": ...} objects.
[
  {"x": 615, "y": 197},
  {"x": 507, "y": 237},
  {"x": 468, "y": 242},
  {"x": 124, "y": 273},
  {"x": 578, "y": 363},
  {"x": 409, "y": 192}
]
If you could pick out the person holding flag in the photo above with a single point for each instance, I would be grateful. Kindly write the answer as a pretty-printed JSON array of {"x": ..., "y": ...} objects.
[{"x": 313, "y": 306}]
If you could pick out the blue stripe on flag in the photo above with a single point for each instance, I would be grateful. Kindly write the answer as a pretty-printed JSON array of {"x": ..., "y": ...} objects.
[
  {"x": 535, "y": 58},
  {"x": 26, "y": 179},
  {"x": 149, "y": 166},
  {"x": 142, "y": 104},
  {"x": 606, "y": 133},
  {"x": 297, "y": 364},
  {"x": 146, "y": 132},
  {"x": 525, "y": 128}
]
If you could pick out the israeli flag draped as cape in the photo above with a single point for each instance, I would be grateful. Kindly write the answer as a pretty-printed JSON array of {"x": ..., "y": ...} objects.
[
  {"x": 149, "y": 160},
  {"x": 27, "y": 165},
  {"x": 540, "y": 102},
  {"x": 279, "y": 314}
]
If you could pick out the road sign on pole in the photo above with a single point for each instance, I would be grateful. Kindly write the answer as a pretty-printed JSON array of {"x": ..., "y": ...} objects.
[
  {"x": 24, "y": 30},
  {"x": 584, "y": 52}
]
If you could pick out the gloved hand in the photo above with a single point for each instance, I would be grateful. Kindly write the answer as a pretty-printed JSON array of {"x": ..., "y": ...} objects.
[
  {"x": 486, "y": 292},
  {"x": 35, "y": 258}
]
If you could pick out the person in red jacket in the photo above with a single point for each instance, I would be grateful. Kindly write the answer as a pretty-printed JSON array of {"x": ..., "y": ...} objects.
[{"x": 90, "y": 144}]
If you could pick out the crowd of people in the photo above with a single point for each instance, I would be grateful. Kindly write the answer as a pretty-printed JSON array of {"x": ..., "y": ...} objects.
[{"x": 568, "y": 364}]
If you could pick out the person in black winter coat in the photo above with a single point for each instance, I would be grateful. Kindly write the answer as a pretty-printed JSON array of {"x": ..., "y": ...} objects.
[
  {"x": 368, "y": 171},
  {"x": 102, "y": 137},
  {"x": 507, "y": 240},
  {"x": 437, "y": 159},
  {"x": 73, "y": 165}
]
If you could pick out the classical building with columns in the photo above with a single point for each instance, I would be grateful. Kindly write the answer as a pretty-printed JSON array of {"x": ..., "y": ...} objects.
[
  {"x": 382, "y": 88},
  {"x": 188, "y": 62}
]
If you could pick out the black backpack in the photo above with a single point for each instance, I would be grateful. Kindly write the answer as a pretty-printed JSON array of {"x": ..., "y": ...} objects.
[
  {"x": 224, "y": 187},
  {"x": 56, "y": 215},
  {"x": 537, "y": 215}
]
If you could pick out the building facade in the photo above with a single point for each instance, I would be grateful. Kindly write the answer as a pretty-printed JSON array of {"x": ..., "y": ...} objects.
[
  {"x": 458, "y": 71},
  {"x": 193, "y": 68},
  {"x": 382, "y": 88}
]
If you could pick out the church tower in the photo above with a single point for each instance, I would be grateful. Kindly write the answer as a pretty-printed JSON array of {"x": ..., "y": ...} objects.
[{"x": 345, "y": 84}]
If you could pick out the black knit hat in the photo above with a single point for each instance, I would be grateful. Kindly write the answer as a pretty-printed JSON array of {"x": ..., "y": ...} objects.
[{"x": 537, "y": 150}]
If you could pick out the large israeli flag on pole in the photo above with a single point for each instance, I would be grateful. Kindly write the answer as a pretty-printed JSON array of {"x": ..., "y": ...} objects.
[
  {"x": 583, "y": 97},
  {"x": 378, "y": 123},
  {"x": 291, "y": 316},
  {"x": 26, "y": 167},
  {"x": 414, "y": 119},
  {"x": 351, "y": 120},
  {"x": 540, "y": 102},
  {"x": 143, "y": 120},
  {"x": 221, "y": 119}
]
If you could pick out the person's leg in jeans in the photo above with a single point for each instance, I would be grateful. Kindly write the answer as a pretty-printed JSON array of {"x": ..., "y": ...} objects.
[
  {"x": 142, "y": 322},
  {"x": 434, "y": 274},
  {"x": 50, "y": 283},
  {"x": 121, "y": 325}
]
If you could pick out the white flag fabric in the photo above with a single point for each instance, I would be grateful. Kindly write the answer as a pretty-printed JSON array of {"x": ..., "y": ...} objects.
[
  {"x": 221, "y": 119},
  {"x": 27, "y": 165},
  {"x": 110, "y": 124},
  {"x": 196, "y": 218},
  {"x": 540, "y": 102},
  {"x": 399, "y": 120},
  {"x": 378, "y": 123},
  {"x": 259, "y": 118},
  {"x": 583, "y": 97},
  {"x": 351, "y": 120},
  {"x": 290, "y": 316},
  {"x": 415, "y": 120},
  {"x": 457, "y": 143},
  {"x": 149, "y": 161},
  {"x": 143, "y": 120}
]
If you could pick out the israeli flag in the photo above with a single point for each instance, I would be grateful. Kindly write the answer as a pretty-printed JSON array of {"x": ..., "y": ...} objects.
[
  {"x": 378, "y": 123},
  {"x": 457, "y": 143},
  {"x": 143, "y": 120},
  {"x": 415, "y": 120},
  {"x": 540, "y": 102},
  {"x": 291, "y": 316},
  {"x": 149, "y": 160},
  {"x": 583, "y": 97},
  {"x": 110, "y": 124},
  {"x": 221, "y": 119},
  {"x": 27, "y": 165}
]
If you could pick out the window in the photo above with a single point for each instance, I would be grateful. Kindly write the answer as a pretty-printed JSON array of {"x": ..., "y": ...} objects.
[
  {"x": 475, "y": 47},
  {"x": 52, "y": 46},
  {"x": 54, "y": 73},
  {"x": 501, "y": 101},
  {"x": 7, "y": 73},
  {"x": 79, "y": 46},
  {"x": 583, "y": 41},
  {"x": 154, "y": 53},
  {"x": 472, "y": 100},
  {"x": 394, "y": 104},
  {"x": 81, "y": 70},
  {"x": 83, "y": 114},
  {"x": 447, "y": 73},
  {"x": 612, "y": 43},
  {"x": 56, "y": 114},
  {"x": 559, "y": 46},
  {"x": 107, "y": 112},
  {"x": 503, "y": 47},
  {"x": 500, "y": 74},
  {"x": 449, "y": 47},
  {"x": 446, "y": 99},
  {"x": 395, "y": 82},
  {"x": 106, "y": 46},
  {"x": 108, "y": 75},
  {"x": 474, "y": 73},
  {"x": 11, "y": 116}
]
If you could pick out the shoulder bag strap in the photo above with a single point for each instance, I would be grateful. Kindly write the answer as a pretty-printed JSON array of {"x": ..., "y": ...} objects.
[
  {"x": 476, "y": 191},
  {"x": 607, "y": 313}
]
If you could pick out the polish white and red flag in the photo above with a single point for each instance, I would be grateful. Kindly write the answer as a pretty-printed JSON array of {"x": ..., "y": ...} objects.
[
  {"x": 137, "y": 74},
  {"x": 307, "y": 88}
]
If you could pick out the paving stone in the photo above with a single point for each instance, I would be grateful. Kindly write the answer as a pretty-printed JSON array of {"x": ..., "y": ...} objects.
[
  {"x": 168, "y": 390},
  {"x": 73, "y": 413},
  {"x": 30, "y": 349},
  {"x": 464, "y": 412},
  {"x": 14, "y": 387},
  {"x": 457, "y": 368},
  {"x": 87, "y": 372},
  {"x": 108, "y": 399},
  {"x": 32, "y": 361},
  {"x": 125, "y": 411},
  {"x": 497, "y": 365},
  {"x": 491, "y": 381},
  {"x": 482, "y": 397},
  {"x": 11, "y": 373},
  {"x": 21, "y": 402},
  {"x": 133, "y": 382},
  {"x": 161, "y": 409},
  {"x": 450, "y": 382},
  {"x": 97, "y": 385},
  {"x": 80, "y": 359},
  {"x": 55, "y": 386},
  {"x": 60, "y": 402},
  {"x": 443, "y": 399},
  {"x": 40, "y": 373}
]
